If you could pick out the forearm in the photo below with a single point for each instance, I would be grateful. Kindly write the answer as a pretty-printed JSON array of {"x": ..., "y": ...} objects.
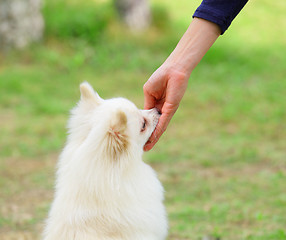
[{"x": 199, "y": 37}]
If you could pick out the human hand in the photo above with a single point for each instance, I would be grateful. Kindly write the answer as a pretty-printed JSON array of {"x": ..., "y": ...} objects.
[
  {"x": 166, "y": 87},
  {"x": 164, "y": 91}
]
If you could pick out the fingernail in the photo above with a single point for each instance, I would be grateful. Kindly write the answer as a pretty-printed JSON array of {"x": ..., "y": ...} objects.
[{"x": 149, "y": 141}]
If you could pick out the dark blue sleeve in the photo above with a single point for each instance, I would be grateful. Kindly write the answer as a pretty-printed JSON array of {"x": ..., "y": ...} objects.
[{"x": 221, "y": 12}]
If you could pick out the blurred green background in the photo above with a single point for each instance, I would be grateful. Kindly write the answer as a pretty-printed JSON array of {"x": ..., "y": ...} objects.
[{"x": 223, "y": 159}]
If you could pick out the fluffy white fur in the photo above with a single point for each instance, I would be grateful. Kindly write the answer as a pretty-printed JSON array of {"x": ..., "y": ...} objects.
[{"x": 104, "y": 191}]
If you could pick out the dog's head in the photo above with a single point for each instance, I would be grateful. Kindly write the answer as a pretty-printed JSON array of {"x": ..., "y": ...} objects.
[{"x": 116, "y": 125}]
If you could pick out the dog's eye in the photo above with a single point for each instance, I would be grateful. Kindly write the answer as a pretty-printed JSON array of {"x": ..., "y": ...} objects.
[{"x": 144, "y": 125}]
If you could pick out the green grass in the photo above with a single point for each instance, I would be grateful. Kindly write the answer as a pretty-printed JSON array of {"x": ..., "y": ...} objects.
[{"x": 222, "y": 160}]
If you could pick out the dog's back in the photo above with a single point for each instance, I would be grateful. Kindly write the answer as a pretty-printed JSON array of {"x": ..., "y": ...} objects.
[{"x": 133, "y": 210}]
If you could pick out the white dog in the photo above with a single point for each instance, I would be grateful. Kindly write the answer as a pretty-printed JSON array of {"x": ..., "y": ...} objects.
[{"x": 104, "y": 191}]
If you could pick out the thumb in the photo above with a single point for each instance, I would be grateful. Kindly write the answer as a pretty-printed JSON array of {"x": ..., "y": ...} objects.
[{"x": 149, "y": 100}]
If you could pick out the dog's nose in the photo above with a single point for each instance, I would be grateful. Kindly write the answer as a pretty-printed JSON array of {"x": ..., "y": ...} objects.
[{"x": 158, "y": 111}]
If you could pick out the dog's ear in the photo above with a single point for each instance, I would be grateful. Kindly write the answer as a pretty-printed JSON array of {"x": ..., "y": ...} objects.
[
  {"x": 117, "y": 139},
  {"x": 89, "y": 95}
]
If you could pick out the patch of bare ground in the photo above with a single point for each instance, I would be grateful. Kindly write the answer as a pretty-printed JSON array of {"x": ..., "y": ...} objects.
[
  {"x": 26, "y": 196},
  {"x": 174, "y": 172}
]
